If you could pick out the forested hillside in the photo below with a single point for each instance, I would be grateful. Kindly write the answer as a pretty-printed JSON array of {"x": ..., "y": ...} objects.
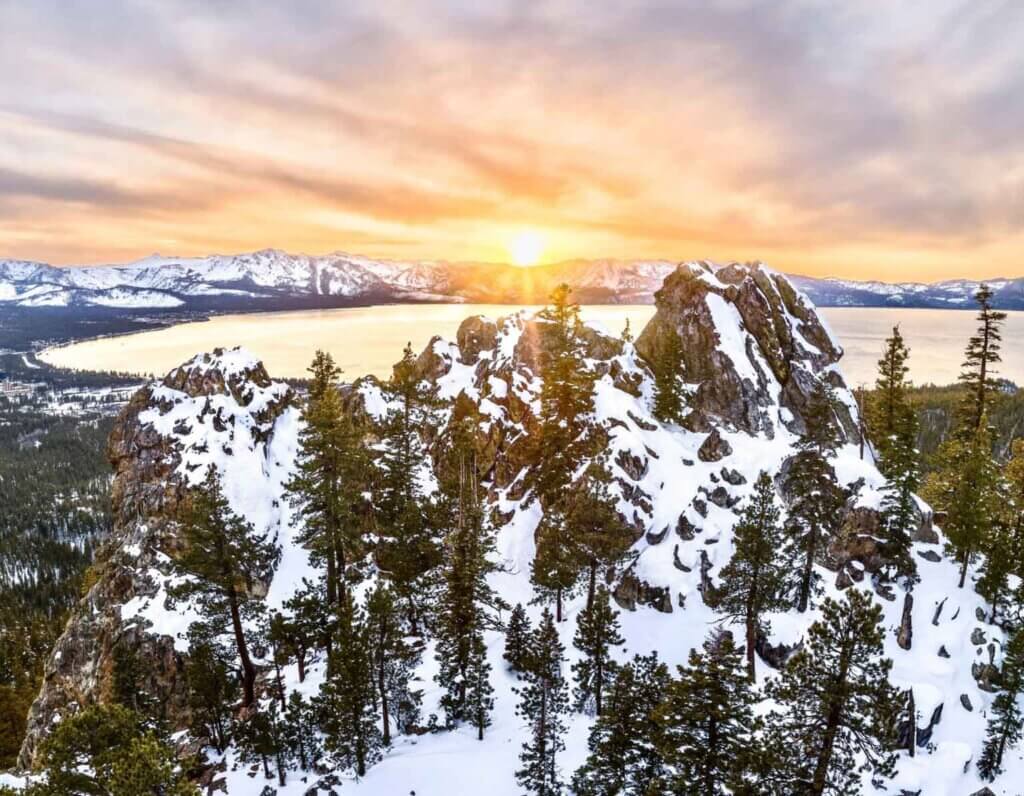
[{"x": 54, "y": 510}]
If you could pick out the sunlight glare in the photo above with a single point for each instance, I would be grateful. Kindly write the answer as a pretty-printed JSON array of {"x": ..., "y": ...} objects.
[{"x": 526, "y": 247}]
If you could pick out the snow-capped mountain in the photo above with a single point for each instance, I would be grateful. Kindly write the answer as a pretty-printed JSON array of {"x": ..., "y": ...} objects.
[
  {"x": 275, "y": 279},
  {"x": 755, "y": 349},
  {"x": 952, "y": 294},
  {"x": 272, "y": 278}
]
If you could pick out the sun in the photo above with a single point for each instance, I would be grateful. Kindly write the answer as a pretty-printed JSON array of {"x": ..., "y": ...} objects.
[{"x": 526, "y": 247}]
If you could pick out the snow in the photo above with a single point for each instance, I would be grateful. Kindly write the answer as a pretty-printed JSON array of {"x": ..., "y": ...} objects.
[{"x": 254, "y": 473}]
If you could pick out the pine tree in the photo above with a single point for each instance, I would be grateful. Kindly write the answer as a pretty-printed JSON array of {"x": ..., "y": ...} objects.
[
  {"x": 669, "y": 399},
  {"x": 624, "y": 756},
  {"x": 212, "y": 687},
  {"x": 980, "y": 359},
  {"x": 222, "y": 563},
  {"x": 627, "y": 333},
  {"x": 544, "y": 700},
  {"x": 300, "y": 731},
  {"x": 965, "y": 486},
  {"x": 105, "y": 749},
  {"x": 561, "y": 444},
  {"x": 1006, "y": 724},
  {"x": 1013, "y": 516},
  {"x": 262, "y": 738},
  {"x": 555, "y": 569},
  {"x": 899, "y": 509},
  {"x": 352, "y": 738},
  {"x": 129, "y": 685},
  {"x": 394, "y": 661},
  {"x": 888, "y": 407},
  {"x": 599, "y": 536},
  {"x": 597, "y": 631},
  {"x": 707, "y": 721},
  {"x": 479, "y": 699},
  {"x": 328, "y": 488},
  {"x": 518, "y": 640},
  {"x": 466, "y": 600},
  {"x": 837, "y": 703},
  {"x": 407, "y": 548},
  {"x": 753, "y": 583},
  {"x": 816, "y": 497}
]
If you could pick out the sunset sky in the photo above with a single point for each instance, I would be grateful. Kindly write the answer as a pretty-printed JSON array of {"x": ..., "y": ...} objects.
[{"x": 866, "y": 139}]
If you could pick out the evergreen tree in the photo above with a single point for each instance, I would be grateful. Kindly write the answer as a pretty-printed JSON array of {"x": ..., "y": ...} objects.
[
  {"x": 627, "y": 333},
  {"x": 598, "y": 535},
  {"x": 837, "y": 703},
  {"x": 561, "y": 444},
  {"x": 129, "y": 685},
  {"x": 669, "y": 398},
  {"x": 106, "y": 750},
  {"x": 1006, "y": 723},
  {"x": 262, "y": 738},
  {"x": 300, "y": 731},
  {"x": 1013, "y": 516},
  {"x": 624, "y": 756},
  {"x": 556, "y": 565},
  {"x": 212, "y": 687},
  {"x": 980, "y": 359},
  {"x": 394, "y": 662},
  {"x": 352, "y": 738},
  {"x": 466, "y": 600},
  {"x": 597, "y": 631},
  {"x": 816, "y": 497},
  {"x": 407, "y": 547},
  {"x": 544, "y": 700},
  {"x": 518, "y": 640},
  {"x": 479, "y": 699},
  {"x": 888, "y": 406},
  {"x": 900, "y": 512},
  {"x": 753, "y": 583},
  {"x": 965, "y": 486},
  {"x": 707, "y": 722},
  {"x": 328, "y": 487},
  {"x": 222, "y": 562}
]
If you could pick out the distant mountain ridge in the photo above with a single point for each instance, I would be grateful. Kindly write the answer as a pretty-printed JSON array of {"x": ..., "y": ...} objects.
[{"x": 271, "y": 278}]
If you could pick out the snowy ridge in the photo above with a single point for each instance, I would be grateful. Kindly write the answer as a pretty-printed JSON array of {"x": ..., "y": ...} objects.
[
  {"x": 275, "y": 277},
  {"x": 682, "y": 502}
]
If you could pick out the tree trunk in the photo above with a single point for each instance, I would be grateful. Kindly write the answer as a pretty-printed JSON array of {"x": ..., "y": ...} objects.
[
  {"x": 382, "y": 688},
  {"x": 710, "y": 785},
  {"x": 832, "y": 724},
  {"x": 248, "y": 670},
  {"x": 751, "y": 623},
  {"x": 558, "y": 604},
  {"x": 963, "y": 567},
  {"x": 805, "y": 580},
  {"x": 592, "y": 585}
]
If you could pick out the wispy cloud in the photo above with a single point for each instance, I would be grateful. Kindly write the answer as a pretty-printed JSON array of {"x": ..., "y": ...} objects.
[{"x": 858, "y": 139}]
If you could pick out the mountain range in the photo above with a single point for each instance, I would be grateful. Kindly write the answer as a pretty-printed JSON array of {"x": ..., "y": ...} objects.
[{"x": 273, "y": 279}]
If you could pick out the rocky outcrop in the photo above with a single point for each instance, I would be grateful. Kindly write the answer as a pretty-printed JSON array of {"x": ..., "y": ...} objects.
[
  {"x": 208, "y": 410},
  {"x": 748, "y": 338}
]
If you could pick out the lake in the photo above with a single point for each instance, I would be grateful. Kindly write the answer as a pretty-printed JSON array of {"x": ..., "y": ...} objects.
[{"x": 369, "y": 340}]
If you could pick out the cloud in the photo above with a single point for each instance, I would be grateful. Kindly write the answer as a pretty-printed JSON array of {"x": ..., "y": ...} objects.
[{"x": 822, "y": 134}]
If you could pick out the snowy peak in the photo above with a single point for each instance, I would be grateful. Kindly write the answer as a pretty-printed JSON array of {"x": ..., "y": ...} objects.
[{"x": 273, "y": 278}]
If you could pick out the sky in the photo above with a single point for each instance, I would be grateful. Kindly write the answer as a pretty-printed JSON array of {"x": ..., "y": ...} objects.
[{"x": 864, "y": 140}]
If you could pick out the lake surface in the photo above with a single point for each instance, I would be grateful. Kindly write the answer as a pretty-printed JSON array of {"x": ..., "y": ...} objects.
[{"x": 369, "y": 340}]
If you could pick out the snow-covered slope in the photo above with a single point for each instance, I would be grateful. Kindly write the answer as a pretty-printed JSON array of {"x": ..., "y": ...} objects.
[{"x": 753, "y": 348}]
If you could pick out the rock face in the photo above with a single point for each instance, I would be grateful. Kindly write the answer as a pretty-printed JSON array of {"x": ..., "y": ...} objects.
[
  {"x": 752, "y": 346},
  {"x": 203, "y": 412}
]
